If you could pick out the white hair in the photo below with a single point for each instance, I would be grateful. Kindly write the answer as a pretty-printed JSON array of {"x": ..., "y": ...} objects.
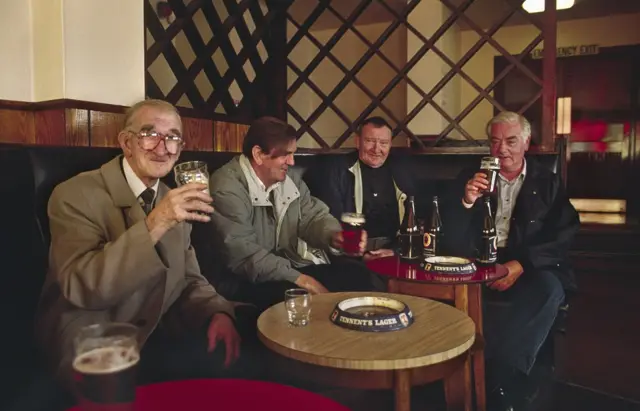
[{"x": 510, "y": 117}]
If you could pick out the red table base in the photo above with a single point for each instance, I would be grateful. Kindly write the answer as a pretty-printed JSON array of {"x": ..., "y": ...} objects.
[{"x": 228, "y": 394}]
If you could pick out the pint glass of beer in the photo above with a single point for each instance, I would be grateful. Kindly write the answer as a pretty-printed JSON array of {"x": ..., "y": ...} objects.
[
  {"x": 491, "y": 167},
  {"x": 192, "y": 172},
  {"x": 104, "y": 366},
  {"x": 352, "y": 226}
]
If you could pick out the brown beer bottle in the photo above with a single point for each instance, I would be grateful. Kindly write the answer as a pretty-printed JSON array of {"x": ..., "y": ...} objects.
[
  {"x": 433, "y": 232},
  {"x": 488, "y": 252},
  {"x": 410, "y": 236}
]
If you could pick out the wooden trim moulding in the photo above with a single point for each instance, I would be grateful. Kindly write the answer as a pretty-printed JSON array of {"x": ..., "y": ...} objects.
[{"x": 110, "y": 108}]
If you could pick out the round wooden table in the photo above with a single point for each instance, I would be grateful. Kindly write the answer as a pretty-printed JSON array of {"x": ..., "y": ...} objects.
[
  {"x": 431, "y": 348},
  {"x": 464, "y": 291},
  {"x": 228, "y": 394}
]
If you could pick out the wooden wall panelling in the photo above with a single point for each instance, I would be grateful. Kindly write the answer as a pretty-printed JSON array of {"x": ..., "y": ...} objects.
[
  {"x": 50, "y": 126},
  {"x": 228, "y": 136},
  {"x": 104, "y": 128},
  {"x": 77, "y": 126},
  {"x": 197, "y": 134},
  {"x": 17, "y": 127}
]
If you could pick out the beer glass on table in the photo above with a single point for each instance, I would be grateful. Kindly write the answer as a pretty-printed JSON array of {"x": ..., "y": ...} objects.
[
  {"x": 105, "y": 365},
  {"x": 491, "y": 167},
  {"x": 352, "y": 227}
]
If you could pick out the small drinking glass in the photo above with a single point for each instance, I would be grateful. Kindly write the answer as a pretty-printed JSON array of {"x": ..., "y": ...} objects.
[
  {"x": 192, "y": 172},
  {"x": 298, "y": 304}
]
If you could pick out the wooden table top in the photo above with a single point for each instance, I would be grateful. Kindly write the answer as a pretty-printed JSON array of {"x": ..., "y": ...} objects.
[
  {"x": 439, "y": 333},
  {"x": 395, "y": 268}
]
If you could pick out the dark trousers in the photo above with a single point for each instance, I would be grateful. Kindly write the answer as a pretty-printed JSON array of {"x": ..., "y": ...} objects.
[
  {"x": 518, "y": 320},
  {"x": 343, "y": 274},
  {"x": 166, "y": 358}
]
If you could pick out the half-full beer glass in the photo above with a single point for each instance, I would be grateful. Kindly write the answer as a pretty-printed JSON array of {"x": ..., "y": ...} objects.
[
  {"x": 491, "y": 167},
  {"x": 104, "y": 366},
  {"x": 192, "y": 172},
  {"x": 352, "y": 226}
]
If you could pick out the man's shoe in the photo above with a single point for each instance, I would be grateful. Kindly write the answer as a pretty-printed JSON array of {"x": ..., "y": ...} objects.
[{"x": 499, "y": 400}]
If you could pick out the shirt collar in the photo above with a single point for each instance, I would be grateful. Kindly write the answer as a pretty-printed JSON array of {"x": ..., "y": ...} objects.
[
  {"x": 252, "y": 173},
  {"x": 136, "y": 185},
  {"x": 522, "y": 174}
]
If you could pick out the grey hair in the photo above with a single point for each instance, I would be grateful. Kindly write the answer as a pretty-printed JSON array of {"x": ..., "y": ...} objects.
[
  {"x": 151, "y": 103},
  {"x": 510, "y": 117}
]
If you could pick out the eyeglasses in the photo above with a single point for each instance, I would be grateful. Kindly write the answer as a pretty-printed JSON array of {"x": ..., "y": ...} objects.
[{"x": 148, "y": 140}]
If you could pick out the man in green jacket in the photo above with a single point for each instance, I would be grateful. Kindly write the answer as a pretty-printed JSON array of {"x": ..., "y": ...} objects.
[{"x": 274, "y": 235}]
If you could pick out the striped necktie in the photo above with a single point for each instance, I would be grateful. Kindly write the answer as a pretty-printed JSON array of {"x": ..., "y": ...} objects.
[{"x": 146, "y": 200}]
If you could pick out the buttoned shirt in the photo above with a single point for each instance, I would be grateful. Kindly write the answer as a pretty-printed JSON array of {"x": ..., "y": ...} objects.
[
  {"x": 136, "y": 185},
  {"x": 507, "y": 194}
]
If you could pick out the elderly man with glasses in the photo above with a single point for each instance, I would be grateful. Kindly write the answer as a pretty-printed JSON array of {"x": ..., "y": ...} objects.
[{"x": 121, "y": 252}]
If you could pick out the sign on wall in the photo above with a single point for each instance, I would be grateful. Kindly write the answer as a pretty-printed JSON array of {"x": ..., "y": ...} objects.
[{"x": 570, "y": 51}]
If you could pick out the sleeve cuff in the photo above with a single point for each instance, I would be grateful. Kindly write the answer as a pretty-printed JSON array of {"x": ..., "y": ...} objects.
[{"x": 466, "y": 205}]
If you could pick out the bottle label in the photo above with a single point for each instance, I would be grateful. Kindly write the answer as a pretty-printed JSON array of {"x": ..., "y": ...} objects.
[
  {"x": 429, "y": 244},
  {"x": 489, "y": 251}
]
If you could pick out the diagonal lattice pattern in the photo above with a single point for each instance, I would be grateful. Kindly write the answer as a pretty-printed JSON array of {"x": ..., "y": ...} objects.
[
  {"x": 208, "y": 55},
  {"x": 349, "y": 74}
]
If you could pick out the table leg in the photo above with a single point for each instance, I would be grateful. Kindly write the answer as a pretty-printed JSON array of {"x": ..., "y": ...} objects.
[
  {"x": 475, "y": 312},
  {"x": 460, "y": 387},
  {"x": 457, "y": 388},
  {"x": 402, "y": 388}
]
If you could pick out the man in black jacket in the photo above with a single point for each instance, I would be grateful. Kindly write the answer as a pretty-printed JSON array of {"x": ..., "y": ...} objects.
[
  {"x": 370, "y": 182},
  {"x": 535, "y": 225}
]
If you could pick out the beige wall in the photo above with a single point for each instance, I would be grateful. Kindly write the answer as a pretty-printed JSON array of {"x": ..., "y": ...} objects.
[
  {"x": 77, "y": 49},
  {"x": 16, "y": 50},
  {"x": 104, "y": 50},
  {"x": 607, "y": 31},
  {"x": 428, "y": 17},
  {"x": 48, "y": 50}
]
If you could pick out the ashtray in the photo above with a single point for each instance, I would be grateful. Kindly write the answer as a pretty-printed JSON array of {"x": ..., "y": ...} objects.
[
  {"x": 373, "y": 314},
  {"x": 448, "y": 265}
]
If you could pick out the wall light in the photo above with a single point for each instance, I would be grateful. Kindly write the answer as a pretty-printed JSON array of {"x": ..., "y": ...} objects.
[
  {"x": 537, "y": 6},
  {"x": 563, "y": 117}
]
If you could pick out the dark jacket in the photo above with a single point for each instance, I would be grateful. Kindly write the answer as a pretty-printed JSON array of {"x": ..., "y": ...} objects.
[
  {"x": 339, "y": 188},
  {"x": 543, "y": 224}
]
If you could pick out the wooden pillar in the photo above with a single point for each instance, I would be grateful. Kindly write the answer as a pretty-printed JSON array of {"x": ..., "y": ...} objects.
[
  {"x": 549, "y": 76},
  {"x": 276, "y": 87}
]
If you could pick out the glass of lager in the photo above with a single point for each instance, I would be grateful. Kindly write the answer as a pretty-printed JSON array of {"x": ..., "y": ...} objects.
[
  {"x": 352, "y": 226},
  {"x": 491, "y": 167},
  {"x": 104, "y": 366},
  {"x": 192, "y": 172}
]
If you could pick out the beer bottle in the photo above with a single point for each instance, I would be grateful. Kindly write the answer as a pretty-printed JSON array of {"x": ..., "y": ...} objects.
[
  {"x": 488, "y": 252},
  {"x": 410, "y": 236},
  {"x": 433, "y": 233}
]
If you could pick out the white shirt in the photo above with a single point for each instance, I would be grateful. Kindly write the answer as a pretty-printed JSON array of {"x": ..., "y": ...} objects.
[
  {"x": 250, "y": 173},
  {"x": 507, "y": 194},
  {"x": 136, "y": 185}
]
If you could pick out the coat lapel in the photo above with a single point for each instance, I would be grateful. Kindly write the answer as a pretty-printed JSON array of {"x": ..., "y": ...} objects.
[{"x": 170, "y": 248}]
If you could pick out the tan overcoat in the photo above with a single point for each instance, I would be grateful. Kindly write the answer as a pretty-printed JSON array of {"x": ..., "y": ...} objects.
[{"x": 104, "y": 267}]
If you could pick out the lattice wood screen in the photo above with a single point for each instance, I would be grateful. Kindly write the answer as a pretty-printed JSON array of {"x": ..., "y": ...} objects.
[
  {"x": 328, "y": 56},
  {"x": 214, "y": 56}
]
